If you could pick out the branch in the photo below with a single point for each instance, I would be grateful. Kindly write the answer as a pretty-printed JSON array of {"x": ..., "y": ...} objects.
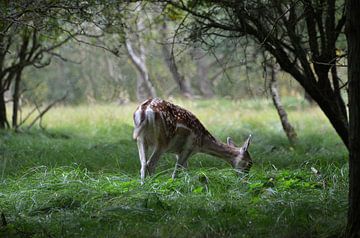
[
  {"x": 27, "y": 116},
  {"x": 277, "y": 20},
  {"x": 74, "y": 37},
  {"x": 212, "y": 22},
  {"x": 222, "y": 71},
  {"x": 42, "y": 113}
]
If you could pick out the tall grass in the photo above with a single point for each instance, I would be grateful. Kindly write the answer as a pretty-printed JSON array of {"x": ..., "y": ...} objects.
[{"x": 80, "y": 177}]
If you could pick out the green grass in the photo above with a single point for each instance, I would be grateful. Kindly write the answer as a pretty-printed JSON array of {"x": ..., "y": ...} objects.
[{"x": 80, "y": 177}]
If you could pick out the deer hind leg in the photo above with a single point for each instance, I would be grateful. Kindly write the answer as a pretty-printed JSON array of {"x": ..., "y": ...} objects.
[
  {"x": 181, "y": 162},
  {"x": 142, "y": 155},
  {"x": 158, "y": 133},
  {"x": 153, "y": 159}
]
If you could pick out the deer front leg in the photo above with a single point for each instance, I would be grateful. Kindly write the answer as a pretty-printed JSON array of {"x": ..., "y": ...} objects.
[
  {"x": 181, "y": 162},
  {"x": 142, "y": 156}
]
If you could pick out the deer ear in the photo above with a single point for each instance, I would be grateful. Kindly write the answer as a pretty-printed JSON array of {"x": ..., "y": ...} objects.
[
  {"x": 230, "y": 142},
  {"x": 247, "y": 143}
]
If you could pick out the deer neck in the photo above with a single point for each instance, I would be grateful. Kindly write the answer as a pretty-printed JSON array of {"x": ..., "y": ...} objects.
[{"x": 216, "y": 148}]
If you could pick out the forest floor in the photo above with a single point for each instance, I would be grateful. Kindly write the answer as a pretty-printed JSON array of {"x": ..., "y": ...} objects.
[{"x": 80, "y": 177}]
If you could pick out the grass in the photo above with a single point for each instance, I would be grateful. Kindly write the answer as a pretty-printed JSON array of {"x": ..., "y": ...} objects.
[{"x": 80, "y": 177}]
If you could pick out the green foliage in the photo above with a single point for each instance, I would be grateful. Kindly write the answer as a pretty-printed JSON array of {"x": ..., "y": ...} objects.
[
  {"x": 80, "y": 177},
  {"x": 173, "y": 13}
]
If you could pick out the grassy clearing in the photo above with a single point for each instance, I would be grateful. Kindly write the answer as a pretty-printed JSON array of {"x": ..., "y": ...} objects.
[{"x": 80, "y": 177}]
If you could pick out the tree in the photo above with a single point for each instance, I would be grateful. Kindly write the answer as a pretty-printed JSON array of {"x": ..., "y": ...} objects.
[
  {"x": 303, "y": 36},
  {"x": 183, "y": 84},
  {"x": 27, "y": 50},
  {"x": 145, "y": 88},
  {"x": 353, "y": 40},
  {"x": 30, "y": 33},
  {"x": 300, "y": 34},
  {"x": 289, "y": 130}
]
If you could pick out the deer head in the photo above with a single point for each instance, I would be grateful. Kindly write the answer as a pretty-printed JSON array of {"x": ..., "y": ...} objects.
[{"x": 242, "y": 162}]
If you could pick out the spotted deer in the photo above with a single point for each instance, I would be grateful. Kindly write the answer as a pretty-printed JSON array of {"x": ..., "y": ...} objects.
[{"x": 162, "y": 127}]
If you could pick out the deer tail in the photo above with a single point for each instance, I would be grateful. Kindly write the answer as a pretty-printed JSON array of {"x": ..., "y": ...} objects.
[
  {"x": 138, "y": 130},
  {"x": 139, "y": 122}
]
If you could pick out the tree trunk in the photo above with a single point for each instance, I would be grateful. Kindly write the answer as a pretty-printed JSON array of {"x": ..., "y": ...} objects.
[
  {"x": 183, "y": 84},
  {"x": 353, "y": 40},
  {"x": 145, "y": 88},
  {"x": 3, "y": 119},
  {"x": 205, "y": 86},
  {"x": 288, "y": 128},
  {"x": 329, "y": 104},
  {"x": 322, "y": 94},
  {"x": 91, "y": 89},
  {"x": 16, "y": 98},
  {"x": 313, "y": 76}
]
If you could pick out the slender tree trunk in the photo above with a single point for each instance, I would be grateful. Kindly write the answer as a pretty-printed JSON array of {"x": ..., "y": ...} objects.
[
  {"x": 180, "y": 80},
  {"x": 17, "y": 78},
  {"x": 145, "y": 89},
  {"x": 137, "y": 55},
  {"x": 114, "y": 79},
  {"x": 91, "y": 89},
  {"x": 202, "y": 69},
  {"x": 288, "y": 128},
  {"x": 16, "y": 98},
  {"x": 205, "y": 84},
  {"x": 353, "y": 40},
  {"x": 3, "y": 119}
]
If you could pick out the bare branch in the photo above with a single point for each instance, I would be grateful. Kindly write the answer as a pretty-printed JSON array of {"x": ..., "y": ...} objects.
[{"x": 42, "y": 113}]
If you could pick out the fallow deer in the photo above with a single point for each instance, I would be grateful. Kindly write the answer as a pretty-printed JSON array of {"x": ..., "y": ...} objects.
[{"x": 161, "y": 127}]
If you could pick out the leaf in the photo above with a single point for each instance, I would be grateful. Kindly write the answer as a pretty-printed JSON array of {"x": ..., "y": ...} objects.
[{"x": 198, "y": 190}]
